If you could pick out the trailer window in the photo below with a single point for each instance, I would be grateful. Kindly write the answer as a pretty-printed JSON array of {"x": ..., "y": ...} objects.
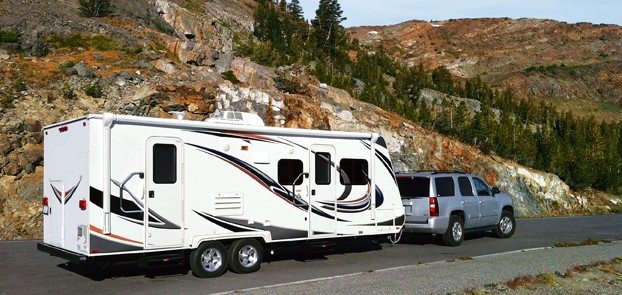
[
  {"x": 322, "y": 168},
  {"x": 164, "y": 163},
  {"x": 289, "y": 170},
  {"x": 353, "y": 172},
  {"x": 445, "y": 186}
]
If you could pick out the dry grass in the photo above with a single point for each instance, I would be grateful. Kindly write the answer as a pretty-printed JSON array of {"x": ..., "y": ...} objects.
[{"x": 587, "y": 242}]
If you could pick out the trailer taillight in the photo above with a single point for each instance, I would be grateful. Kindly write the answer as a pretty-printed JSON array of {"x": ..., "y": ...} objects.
[
  {"x": 82, "y": 204},
  {"x": 44, "y": 202},
  {"x": 433, "y": 206}
]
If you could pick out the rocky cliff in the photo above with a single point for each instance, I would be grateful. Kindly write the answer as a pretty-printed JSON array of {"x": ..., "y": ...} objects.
[
  {"x": 576, "y": 66},
  {"x": 174, "y": 56}
]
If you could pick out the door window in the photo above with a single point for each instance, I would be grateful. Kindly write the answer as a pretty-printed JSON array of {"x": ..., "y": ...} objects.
[
  {"x": 322, "y": 168},
  {"x": 353, "y": 172},
  {"x": 289, "y": 170},
  {"x": 466, "y": 190},
  {"x": 481, "y": 187},
  {"x": 164, "y": 163}
]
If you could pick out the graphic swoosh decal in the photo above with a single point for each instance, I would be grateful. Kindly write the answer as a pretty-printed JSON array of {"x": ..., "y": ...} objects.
[{"x": 68, "y": 194}]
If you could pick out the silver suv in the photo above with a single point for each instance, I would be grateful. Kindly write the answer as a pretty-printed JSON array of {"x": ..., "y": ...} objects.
[{"x": 451, "y": 203}]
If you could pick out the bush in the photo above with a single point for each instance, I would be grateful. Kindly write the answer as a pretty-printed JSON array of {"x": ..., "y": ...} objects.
[
  {"x": 288, "y": 86},
  {"x": 95, "y": 8},
  {"x": 94, "y": 90},
  {"x": 68, "y": 92},
  {"x": 8, "y": 37},
  {"x": 68, "y": 41},
  {"x": 19, "y": 85},
  {"x": 102, "y": 43},
  {"x": 229, "y": 76},
  {"x": 7, "y": 100}
]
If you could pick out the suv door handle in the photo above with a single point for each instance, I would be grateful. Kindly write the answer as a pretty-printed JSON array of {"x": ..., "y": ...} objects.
[
  {"x": 481, "y": 202},
  {"x": 464, "y": 202}
]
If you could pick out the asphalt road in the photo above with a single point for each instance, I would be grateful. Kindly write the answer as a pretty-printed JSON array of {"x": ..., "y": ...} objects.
[{"x": 24, "y": 270}]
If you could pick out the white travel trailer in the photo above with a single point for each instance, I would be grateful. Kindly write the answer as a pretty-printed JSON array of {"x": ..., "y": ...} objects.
[{"x": 212, "y": 194}]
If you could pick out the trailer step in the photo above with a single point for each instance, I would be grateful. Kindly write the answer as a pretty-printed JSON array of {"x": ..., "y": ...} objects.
[
  {"x": 161, "y": 260},
  {"x": 320, "y": 246}
]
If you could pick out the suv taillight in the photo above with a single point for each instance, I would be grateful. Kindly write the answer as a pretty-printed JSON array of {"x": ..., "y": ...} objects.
[
  {"x": 44, "y": 202},
  {"x": 433, "y": 206}
]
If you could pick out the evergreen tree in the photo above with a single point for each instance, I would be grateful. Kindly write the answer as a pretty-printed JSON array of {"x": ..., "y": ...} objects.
[
  {"x": 95, "y": 8},
  {"x": 295, "y": 10},
  {"x": 329, "y": 35}
]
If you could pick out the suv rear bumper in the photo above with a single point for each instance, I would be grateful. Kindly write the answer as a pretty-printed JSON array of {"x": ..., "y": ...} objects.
[
  {"x": 62, "y": 253},
  {"x": 433, "y": 225}
]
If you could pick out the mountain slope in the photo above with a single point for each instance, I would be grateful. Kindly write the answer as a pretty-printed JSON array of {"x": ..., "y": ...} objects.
[{"x": 576, "y": 66}]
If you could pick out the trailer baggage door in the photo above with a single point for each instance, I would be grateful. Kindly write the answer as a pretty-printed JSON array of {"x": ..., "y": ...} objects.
[
  {"x": 322, "y": 183},
  {"x": 165, "y": 183}
]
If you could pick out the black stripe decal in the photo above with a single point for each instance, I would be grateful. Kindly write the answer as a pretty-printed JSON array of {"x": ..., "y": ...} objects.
[{"x": 230, "y": 227}]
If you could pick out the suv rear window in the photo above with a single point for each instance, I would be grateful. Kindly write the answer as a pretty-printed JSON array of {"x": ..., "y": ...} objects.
[
  {"x": 444, "y": 186},
  {"x": 414, "y": 186}
]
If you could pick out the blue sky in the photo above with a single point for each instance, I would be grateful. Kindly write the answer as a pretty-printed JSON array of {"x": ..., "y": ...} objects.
[{"x": 383, "y": 12}]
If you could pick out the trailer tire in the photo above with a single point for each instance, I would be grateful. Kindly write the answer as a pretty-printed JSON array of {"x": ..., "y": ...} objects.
[
  {"x": 245, "y": 256},
  {"x": 209, "y": 260}
]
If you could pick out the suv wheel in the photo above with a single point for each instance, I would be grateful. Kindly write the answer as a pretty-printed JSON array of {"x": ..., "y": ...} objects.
[
  {"x": 506, "y": 226},
  {"x": 454, "y": 235}
]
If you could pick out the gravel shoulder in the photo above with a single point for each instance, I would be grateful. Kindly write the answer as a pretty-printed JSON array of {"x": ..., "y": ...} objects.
[{"x": 452, "y": 276}]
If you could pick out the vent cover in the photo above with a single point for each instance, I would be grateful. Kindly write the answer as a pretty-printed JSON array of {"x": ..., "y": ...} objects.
[{"x": 229, "y": 204}]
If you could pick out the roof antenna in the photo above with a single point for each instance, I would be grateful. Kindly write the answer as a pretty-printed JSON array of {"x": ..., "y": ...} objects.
[{"x": 178, "y": 115}]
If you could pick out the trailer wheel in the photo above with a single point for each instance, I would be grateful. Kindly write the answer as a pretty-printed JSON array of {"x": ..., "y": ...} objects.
[
  {"x": 208, "y": 260},
  {"x": 245, "y": 256}
]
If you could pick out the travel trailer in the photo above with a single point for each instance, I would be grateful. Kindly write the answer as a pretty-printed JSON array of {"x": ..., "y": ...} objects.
[{"x": 214, "y": 194}]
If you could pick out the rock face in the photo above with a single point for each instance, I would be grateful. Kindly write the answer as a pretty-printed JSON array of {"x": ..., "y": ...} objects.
[
  {"x": 572, "y": 63},
  {"x": 180, "y": 70}
]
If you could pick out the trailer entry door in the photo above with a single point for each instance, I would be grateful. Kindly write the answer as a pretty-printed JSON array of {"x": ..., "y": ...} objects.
[
  {"x": 165, "y": 183},
  {"x": 322, "y": 183}
]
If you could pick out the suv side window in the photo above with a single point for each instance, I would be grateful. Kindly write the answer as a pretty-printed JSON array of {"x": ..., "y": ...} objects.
[
  {"x": 445, "y": 186},
  {"x": 481, "y": 187},
  {"x": 466, "y": 190}
]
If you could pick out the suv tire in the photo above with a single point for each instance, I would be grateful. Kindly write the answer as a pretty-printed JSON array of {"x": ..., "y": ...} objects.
[
  {"x": 506, "y": 226},
  {"x": 454, "y": 235}
]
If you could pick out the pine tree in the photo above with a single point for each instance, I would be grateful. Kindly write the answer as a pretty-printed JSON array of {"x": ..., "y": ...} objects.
[
  {"x": 95, "y": 8},
  {"x": 295, "y": 10},
  {"x": 327, "y": 30}
]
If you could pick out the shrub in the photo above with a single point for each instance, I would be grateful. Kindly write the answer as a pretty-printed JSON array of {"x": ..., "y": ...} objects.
[
  {"x": 68, "y": 41},
  {"x": 19, "y": 85},
  {"x": 7, "y": 100},
  {"x": 95, "y": 8},
  {"x": 68, "y": 92},
  {"x": 229, "y": 76},
  {"x": 8, "y": 37},
  {"x": 102, "y": 43},
  {"x": 95, "y": 89},
  {"x": 288, "y": 86}
]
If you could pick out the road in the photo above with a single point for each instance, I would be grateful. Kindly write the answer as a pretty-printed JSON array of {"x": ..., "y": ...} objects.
[{"x": 24, "y": 270}]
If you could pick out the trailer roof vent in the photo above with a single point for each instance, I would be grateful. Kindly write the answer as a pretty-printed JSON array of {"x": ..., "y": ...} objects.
[{"x": 237, "y": 118}]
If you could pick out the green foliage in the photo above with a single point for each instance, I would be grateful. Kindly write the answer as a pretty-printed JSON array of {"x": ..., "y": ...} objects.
[
  {"x": 8, "y": 37},
  {"x": 230, "y": 76},
  {"x": 94, "y": 89},
  {"x": 68, "y": 92},
  {"x": 583, "y": 152},
  {"x": 95, "y": 8},
  {"x": 7, "y": 100},
  {"x": 193, "y": 5},
  {"x": 19, "y": 85},
  {"x": 66, "y": 65},
  {"x": 103, "y": 43},
  {"x": 288, "y": 86},
  {"x": 68, "y": 41}
]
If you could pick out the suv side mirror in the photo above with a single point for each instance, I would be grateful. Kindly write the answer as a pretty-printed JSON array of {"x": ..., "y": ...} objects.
[{"x": 495, "y": 190}]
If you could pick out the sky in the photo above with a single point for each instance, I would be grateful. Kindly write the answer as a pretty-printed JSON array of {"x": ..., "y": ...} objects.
[{"x": 385, "y": 12}]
